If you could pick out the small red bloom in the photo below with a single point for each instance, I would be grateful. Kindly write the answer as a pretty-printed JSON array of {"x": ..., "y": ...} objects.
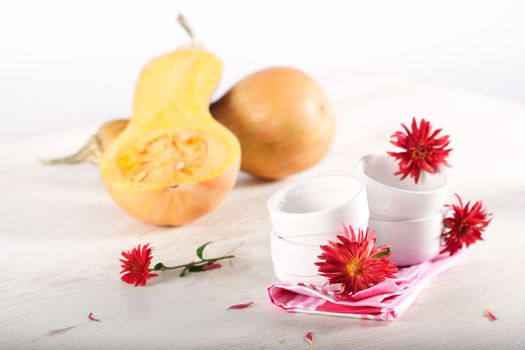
[
  {"x": 354, "y": 262},
  {"x": 135, "y": 265},
  {"x": 464, "y": 227},
  {"x": 423, "y": 150}
]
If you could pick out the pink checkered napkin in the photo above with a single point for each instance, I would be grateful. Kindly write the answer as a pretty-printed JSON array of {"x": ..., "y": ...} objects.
[{"x": 384, "y": 301}]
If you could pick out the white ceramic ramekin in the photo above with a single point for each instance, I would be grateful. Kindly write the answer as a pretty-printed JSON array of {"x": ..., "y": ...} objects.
[
  {"x": 392, "y": 198},
  {"x": 411, "y": 241},
  {"x": 316, "y": 239},
  {"x": 318, "y": 206},
  {"x": 295, "y": 258}
]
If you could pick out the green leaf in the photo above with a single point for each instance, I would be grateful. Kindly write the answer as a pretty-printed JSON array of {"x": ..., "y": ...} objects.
[
  {"x": 196, "y": 268},
  {"x": 158, "y": 267},
  {"x": 200, "y": 250},
  {"x": 382, "y": 254}
]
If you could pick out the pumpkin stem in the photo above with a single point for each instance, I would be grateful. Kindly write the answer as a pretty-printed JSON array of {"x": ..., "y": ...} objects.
[
  {"x": 91, "y": 152},
  {"x": 184, "y": 23}
]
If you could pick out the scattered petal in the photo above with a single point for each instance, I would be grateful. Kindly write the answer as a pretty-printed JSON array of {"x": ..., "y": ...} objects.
[
  {"x": 490, "y": 315},
  {"x": 241, "y": 306},
  {"x": 92, "y": 318},
  {"x": 309, "y": 337},
  {"x": 208, "y": 267}
]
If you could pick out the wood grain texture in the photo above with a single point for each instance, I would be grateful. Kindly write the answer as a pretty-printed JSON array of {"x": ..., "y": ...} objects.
[{"x": 61, "y": 237}]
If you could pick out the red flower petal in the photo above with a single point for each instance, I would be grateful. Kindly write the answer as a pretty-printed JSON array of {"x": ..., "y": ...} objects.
[
  {"x": 490, "y": 315},
  {"x": 309, "y": 337},
  {"x": 92, "y": 318},
  {"x": 423, "y": 150},
  {"x": 241, "y": 306}
]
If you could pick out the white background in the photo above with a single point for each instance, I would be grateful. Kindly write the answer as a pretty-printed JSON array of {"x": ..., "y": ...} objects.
[{"x": 69, "y": 63}]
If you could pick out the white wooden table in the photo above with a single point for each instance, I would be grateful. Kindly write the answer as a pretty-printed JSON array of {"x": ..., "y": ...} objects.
[{"x": 61, "y": 237}]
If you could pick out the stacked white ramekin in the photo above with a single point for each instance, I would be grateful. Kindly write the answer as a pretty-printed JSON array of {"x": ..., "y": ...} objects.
[
  {"x": 308, "y": 214},
  {"x": 406, "y": 215}
]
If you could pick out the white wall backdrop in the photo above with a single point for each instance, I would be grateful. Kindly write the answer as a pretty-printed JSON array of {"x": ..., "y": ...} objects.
[{"x": 68, "y": 63}]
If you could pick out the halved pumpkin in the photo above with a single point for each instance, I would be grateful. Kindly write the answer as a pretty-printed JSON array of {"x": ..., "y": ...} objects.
[{"x": 173, "y": 163}]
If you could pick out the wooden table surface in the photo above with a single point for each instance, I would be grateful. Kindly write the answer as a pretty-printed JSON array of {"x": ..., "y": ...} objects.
[{"x": 61, "y": 237}]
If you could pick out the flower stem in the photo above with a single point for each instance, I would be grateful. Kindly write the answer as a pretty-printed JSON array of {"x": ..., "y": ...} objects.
[
  {"x": 201, "y": 265},
  {"x": 162, "y": 267}
]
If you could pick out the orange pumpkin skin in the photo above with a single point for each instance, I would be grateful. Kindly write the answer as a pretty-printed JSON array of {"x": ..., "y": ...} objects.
[
  {"x": 282, "y": 119},
  {"x": 173, "y": 163},
  {"x": 181, "y": 204}
]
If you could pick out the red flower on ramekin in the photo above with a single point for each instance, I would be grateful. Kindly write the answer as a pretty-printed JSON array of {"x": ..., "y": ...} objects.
[{"x": 423, "y": 150}]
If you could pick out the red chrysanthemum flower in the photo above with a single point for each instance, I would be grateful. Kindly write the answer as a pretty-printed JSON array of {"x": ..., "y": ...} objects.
[
  {"x": 464, "y": 227},
  {"x": 135, "y": 265},
  {"x": 354, "y": 262},
  {"x": 423, "y": 150}
]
